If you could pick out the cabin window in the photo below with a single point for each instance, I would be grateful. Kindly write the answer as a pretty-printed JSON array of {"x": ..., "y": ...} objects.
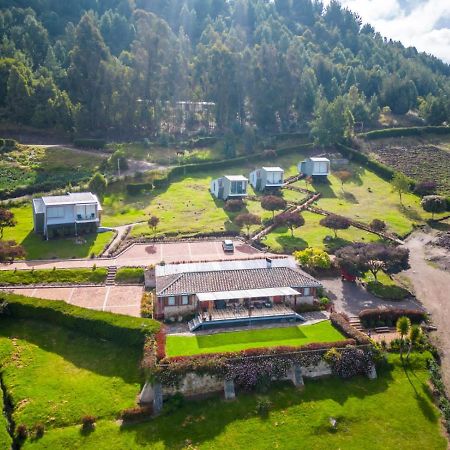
[
  {"x": 185, "y": 299},
  {"x": 55, "y": 212},
  {"x": 171, "y": 301},
  {"x": 237, "y": 187},
  {"x": 306, "y": 291}
]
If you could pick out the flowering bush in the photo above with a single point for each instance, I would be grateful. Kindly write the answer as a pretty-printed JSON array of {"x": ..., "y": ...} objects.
[
  {"x": 161, "y": 343},
  {"x": 349, "y": 362}
]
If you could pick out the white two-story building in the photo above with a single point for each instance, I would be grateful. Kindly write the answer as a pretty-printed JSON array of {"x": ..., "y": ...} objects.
[{"x": 63, "y": 215}]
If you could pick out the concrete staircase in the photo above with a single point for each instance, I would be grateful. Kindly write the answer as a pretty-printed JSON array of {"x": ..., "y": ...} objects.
[
  {"x": 356, "y": 323},
  {"x": 111, "y": 276}
]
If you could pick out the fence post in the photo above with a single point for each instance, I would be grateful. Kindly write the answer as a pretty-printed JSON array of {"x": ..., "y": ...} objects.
[{"x": 228, "y": 387}]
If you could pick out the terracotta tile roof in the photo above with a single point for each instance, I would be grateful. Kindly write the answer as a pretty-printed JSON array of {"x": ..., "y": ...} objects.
[{"x": 232, "y": 280}]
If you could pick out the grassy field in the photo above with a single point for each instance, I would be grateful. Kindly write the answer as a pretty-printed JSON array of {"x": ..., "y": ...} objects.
[
  {"x": 27, "y": 166},
  {"x": 59, "y": 276},
  {"x": 55, "y": 376},
  {"x": 241, "y": 340},
  {"x": 312, "y": 234},
  {"x": 186, "y": 206},
  {"x": 395, "y": 411},
  {"x": 37, "y": 248}
]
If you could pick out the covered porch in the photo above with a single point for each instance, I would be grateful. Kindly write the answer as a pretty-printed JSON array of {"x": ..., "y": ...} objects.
[{"x": 230, "y": 308}]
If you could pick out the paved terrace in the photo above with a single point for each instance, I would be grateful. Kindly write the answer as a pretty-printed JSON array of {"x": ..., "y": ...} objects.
[{"x": 151, "y": 253}]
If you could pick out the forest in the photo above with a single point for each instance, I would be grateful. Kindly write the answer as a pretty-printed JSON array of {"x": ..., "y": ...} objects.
[{"x": 121, "y": 68}]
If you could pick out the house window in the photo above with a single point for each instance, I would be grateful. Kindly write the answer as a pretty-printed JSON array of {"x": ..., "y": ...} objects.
[
  {"x": 171, "y": 301},
  {"x": 306, "y": 291},
  {"x": 185, "y": 299},
  {"x": 237, "y": 187}
]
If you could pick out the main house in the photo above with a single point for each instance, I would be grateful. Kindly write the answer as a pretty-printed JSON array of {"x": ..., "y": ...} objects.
[
  {"x": 267, "y": 178},
  {"x": 229, "y": 186},
  {"x": 70, "y": 214},
  {"x": 314, "y": 167},
  {"x": 232, "y": 292}
]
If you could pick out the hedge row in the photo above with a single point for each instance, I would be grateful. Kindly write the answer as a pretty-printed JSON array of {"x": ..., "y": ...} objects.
[
  {"x": 222, "y": 164},
  {"x": 342, "y": 324},
  {"x": 7, "y": 144},
  {"x": 90, "y": 143},
  {"x": 410, "y": 131},
  {"x": 137, "y": 188},
  {"x": 385, "y": 172},
  {"x": 371, "y": 318},
  {"x": 115, "y": 327}
]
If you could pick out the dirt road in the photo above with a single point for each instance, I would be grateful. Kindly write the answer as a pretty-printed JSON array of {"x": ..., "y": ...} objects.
[{"x": 432, "y": 288}]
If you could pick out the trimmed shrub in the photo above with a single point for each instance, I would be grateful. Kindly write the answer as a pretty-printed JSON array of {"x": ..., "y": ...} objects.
[
  {"x": 349, "y": 362},
  {"x": 119, "y": 328},
  {"x": 147, "y": 305},
  {"x": 234, "y": 205},
  {"x": 22, "y": 432},
  {"x": 371, "y": 318},
  {"x": 410, "y": 131},
  {"x": 130, "y": 275},
  {"x": 88, "y": 422},
  {"x": 161, "y": 343},
  {"x": 136, "y": 413},
  {"x": 90, "y": 143},
  {"x": 263, "y": 406}
]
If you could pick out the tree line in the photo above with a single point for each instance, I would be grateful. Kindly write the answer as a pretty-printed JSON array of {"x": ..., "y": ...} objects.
[{"x": 112, "y": 66}]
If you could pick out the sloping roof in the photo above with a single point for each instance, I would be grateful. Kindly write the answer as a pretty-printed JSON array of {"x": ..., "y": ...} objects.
[
  {"x": 232, "y": 280},
  {"x": 273, "y": 169},
  {"x": 319, "y": 159},
  {"x": 212, "y": 266},
  {"x": 71, "y": 198},
  {"x": 235, "y": 178},
  {"x": 248, "y": 293}
]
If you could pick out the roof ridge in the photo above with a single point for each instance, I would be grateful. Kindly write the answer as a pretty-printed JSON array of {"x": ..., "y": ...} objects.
[{"x": 172, "y": 282}]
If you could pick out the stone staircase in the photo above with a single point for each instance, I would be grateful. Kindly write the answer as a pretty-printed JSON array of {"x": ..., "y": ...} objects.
[{"x": 111, "y": 276}]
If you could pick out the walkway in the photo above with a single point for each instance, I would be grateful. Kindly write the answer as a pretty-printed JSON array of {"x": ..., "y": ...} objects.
[
  {"x": 117, "y": 299},
  {"x": 142, "y": 255}
]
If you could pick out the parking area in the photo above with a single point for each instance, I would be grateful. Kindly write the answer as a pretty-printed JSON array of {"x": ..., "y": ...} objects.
[
  {"x": 117, "y": 299},
  {"x": 146, "y": 254}
]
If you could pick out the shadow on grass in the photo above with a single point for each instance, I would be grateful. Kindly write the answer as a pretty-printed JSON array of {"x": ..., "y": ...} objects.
[
  {"x": 202, "y": 421},
  {"x": 291, "y": 243},
  {"x": 324, "y": 187},
  {"x": 409, "y": 212},
  {"x": 99, "y": 356},
  {"x": 440, "y": 226}
]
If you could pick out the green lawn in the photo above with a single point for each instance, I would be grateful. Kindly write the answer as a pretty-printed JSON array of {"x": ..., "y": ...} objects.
[
  {"x": 393, "y": 412},
  {"x": 366, "y": 197},
  {"x": 56, "y": 376},
  {"x": 312, "y": 234},
  {"x": 38, "y": 248},
  {"x": 131, "y": 275},
  {"x": 5, "y": 438},
  {"x": 241, "y": 340},
  {"x": 384, "y": 286},
  {"x": 48, "y": 276}
]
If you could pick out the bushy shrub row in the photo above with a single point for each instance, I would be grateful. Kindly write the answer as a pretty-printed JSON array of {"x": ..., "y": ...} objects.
[
  {"x": 115, "y": 327},
  {"x": 440, "y": 391},
  {"x": 130, "y": 275},
  {"x": 7, "y": 145},
  {"x": 342, "y": 324},
  {"x": 246, "y": 365},
  {"x": 410, "y": 131},
  {"x": 349, "y": 362},
  {"x": 391, "y": 292},
  {"x": 90, "y": 143},
  {"x": 201, "y": 142},
  {"x": 147, "y": 305},
  {"x": 137, "y": 188},
  {"x": 371, "y": 318}
]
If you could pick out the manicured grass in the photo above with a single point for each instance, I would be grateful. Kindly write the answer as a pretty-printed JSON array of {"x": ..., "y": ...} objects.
[
  {"x": 385, "y": 287},
  {"x": 37, "y": 248},
  {"x": 393, "y": 412},
  {"x": 240, "y": 340},
  {"x": 5, "y": 438},
  {"x": 366, "y": 197},
  {"x": 130, "y": 275},
  {"x": 56, "y": 376},
  {"x": 312, "y": 234},
  {"x": 48, "y": 276}
]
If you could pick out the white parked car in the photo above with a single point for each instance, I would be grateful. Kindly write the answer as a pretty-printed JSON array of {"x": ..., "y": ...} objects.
[{"x": 228, "y": 246}]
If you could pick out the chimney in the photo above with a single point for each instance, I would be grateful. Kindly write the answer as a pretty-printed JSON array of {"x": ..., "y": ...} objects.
[{"x": 269, "y": 263}]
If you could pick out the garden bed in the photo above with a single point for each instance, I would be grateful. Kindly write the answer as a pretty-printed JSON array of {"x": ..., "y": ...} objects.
[{"x": 130, "y": 275}]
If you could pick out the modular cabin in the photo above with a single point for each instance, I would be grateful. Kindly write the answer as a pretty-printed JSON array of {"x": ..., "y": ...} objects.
[
  {"x": 267, "y": 178},
  {"x": 233, "y": 292},
  {"x": 65, "y": 215},
  {"x": 314, "y": 167},
  {"x": 229, "y": 186}
]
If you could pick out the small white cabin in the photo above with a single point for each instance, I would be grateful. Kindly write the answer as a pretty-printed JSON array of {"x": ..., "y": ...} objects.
[
  {"x": 267, "y": 177},
  {"x": 229, "y": 186},
  {"x": 314, "y": 166}
]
